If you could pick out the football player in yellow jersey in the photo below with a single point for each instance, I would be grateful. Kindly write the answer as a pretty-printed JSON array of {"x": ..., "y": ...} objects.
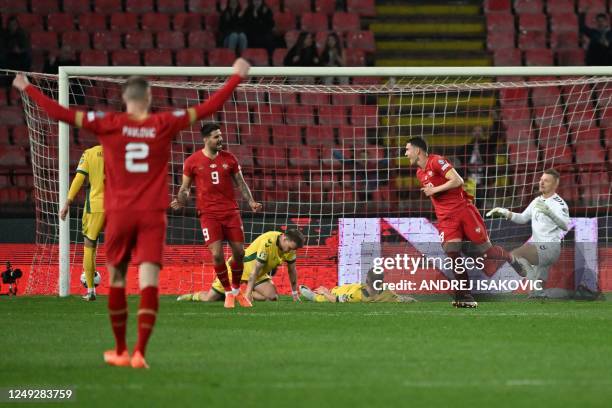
[
  {"x": 264, "y": 254},
  {"x": 91, "y": 171},
  {"x": 355, "y": 292}
]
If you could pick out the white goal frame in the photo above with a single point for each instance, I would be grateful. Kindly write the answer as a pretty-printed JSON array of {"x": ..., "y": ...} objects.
[{"x": 65, "y": 73}]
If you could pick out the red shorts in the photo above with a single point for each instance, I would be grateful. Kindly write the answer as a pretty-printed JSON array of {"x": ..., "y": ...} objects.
[
  {"x": 142, "y": 235},
  {"x": 466, "y": 225},
  {"x": 219, "y": 227}
]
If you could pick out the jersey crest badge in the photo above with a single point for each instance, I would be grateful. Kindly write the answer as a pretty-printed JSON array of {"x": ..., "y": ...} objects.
[
  {"x": 213, "y": 166},
  {"x": 225, "y": 166}
]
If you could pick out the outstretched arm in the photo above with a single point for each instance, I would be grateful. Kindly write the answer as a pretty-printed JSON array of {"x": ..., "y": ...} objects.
[{"x": 245, "y": 191}]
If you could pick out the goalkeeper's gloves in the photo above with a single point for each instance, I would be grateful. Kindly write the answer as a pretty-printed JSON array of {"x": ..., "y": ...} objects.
[
  {"x": 499, "y": 212},
  {"x": 296, "y": 295},
  {"x": 542, "y": 207}
]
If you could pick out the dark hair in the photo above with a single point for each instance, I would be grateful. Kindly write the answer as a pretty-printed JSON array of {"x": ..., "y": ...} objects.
[
  {"x": 372, "y": 277},
  {"x": 419, "y": 142},
  {"x": 208, "y": 128},
  {"x": 295, "y": 236},
  {"x": 135, "y": 88},
  {"x": 602, "y": 15},
  {"x": 553, "y": 173},
  {"x": 338, "y": 45}
]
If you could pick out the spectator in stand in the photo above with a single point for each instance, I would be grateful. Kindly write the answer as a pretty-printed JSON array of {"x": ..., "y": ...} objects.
[
  {"x": 303, "y": 53},
  {"x": 600, "y": 38},
  {"x": 17, "y": 44},
  {"x": 258, "y": 23},
  {"x": 231, "y": 27},
  {"x": 333, "y": 56}
]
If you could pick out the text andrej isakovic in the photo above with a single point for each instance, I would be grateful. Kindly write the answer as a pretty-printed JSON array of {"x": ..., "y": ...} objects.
[{"x": 460, "y": 265}]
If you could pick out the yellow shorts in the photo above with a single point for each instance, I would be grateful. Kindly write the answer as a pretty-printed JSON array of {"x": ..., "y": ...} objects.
[
  {"x": 218, "y": 287},
  {"x": 93, "y": 223}
]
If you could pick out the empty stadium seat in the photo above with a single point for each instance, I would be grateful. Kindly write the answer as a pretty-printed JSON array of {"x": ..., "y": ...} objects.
[
  {"x": 320, "y": 136},
  {"x": 44, "y": 7},
  {"x": 257, "y": 56},
  {"x": 497, "y": 6},
  {"x": 272, "y": 157},
  {"x": 538, "y": 57},
  {"x": 278, "y": 57},
  {"x": 520, "y": 133},
  {"x": 332, "y": 115},
  {"x": 30, "y": 22},
  {"x": 597, "y": 6},
  {"x": 184, "y": 97},
  {"x": 12, "y": 6},
  {"x": 548, "y": 115},
  {"x": 125, "y": 57},
  {"x": 499, "y": 41},
  {"x": 43, "y": 40},
  {"x": 268, "y": 114},
  {"x": 107, "y": 40},
  {"x": 325, "y": 6},
  {"x": 155, "y": 22},
  {"x": 158, "y": 57},
  {"x": 314, "y": 22},
  {"x": 580, "y": 117},
  {"x": 279, "y": 98},
  {"x": 235, "y": 113},
  {"x": 201, "y": 40},
  {"x": 124, "y": 22},
  {"x": 4, "y": 137},
  {"x": 507, "y": 57},
  {"x": 297, "y": 6},
  {"x": 555, "y": 155},
  {"x": 361, "y": 39},
  {"x": 60, "y": 22},
  {"x": 284, "y": 22},
  {"x": 12, "y": 156},
  {"x": 254, "y": 135},
  {"x": 92, "y": 22},
  {"x": 202, "y": 6},
  {"x": 187, "y": 22},
  {"x": 76, "y": 7},
  {"x": 500, "y": 22},
  {"x": 552, "y": 135},
  {"x": 529, "y": 40},
  {"x": 76, "y": 40},
  {"x": 365, "y": 8},
  {"x": 139, "y": 6},
  {"x": 527, "y": 6},
  {"x": 314, "y": 98},
  {"x": 304, "y": 157},
  {"x": 342, "y": 21},
  {"x": 560, "y": 6},
  {"x": 354, "y": 57},
  {"x": 365, "y": 115},
  {"x": 170, "y": 40},
  {"x": 563, "y": 40},
  {"x": 346, "y": 99},
  {"x": 532, "y": 22},
  {"x": 220, "y": 57},
  {"x": 211, "y": 22},
  {"x": 545, "y": 95},
  {"x": 522, "y": 154},
  {"x": 300, "y": 115},
  {"x": 107, "y": 6},
  {"x": 189, "y": 58},
  {"x": 590, "y": 154},
  {"x": 588, "y": 136},
  {"x": 566, "y": 22},
  {"x": 570, "y": 57},
  {"x": 139, "y": 40},
  {"x": 94, "y": 57},
  {"x": 516, "y": 116},
  {"x": 287, "y": 135}
]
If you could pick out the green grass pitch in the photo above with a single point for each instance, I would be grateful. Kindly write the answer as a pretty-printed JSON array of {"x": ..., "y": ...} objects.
[{"x": 503, "y": 354}]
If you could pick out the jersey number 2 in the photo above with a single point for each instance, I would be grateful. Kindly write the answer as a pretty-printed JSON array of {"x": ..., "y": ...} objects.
[{"x": 136, "y": 151}]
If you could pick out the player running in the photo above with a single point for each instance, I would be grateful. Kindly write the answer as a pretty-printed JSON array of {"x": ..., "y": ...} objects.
[
  {"x": 90, "y": 171},
  {"x": 215, "y": 172},
  {"x": 549, "y": 216},
  {"x": 136, "y": 153},
  {"x": 458, "y": 218},
  {"x": 264, "y": 254}
]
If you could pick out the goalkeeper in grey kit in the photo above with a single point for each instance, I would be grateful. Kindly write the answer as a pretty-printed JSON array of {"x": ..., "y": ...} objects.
[{"x": 549, "y": 216}]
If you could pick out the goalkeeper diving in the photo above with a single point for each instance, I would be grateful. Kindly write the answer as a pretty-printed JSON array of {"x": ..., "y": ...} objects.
[{"x": 549, "y": 216}]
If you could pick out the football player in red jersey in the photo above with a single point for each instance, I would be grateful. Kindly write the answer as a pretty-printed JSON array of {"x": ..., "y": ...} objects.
[
  {"x": 458, "y": 218},
  {"x": 215, "y": 172},
  {"x": 136, "y": 154}
]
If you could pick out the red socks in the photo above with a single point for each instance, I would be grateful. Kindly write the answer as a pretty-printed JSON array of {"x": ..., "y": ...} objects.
[
  {"x": 147, "y": 313},
  {"x": 117, "y": 310},
  {"x": 221, "y": 271},
  {"x": 236, "y": 274},
  {"x": 494, "y": 257}
]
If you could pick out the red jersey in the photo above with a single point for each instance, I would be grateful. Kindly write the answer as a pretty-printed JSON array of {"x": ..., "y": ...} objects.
[
  {"x": 446, "y": 202},
  {"x": 214, "y": 181}
]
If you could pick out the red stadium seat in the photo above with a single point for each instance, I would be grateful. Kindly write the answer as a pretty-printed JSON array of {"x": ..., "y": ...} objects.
[
  {"x": 202, "y": 6},
  {"x": 529, "y": 40},
  {"x": 297, "y": 6},
  {"x": 201, "y": 40},
  {"x": 155, "y": 22},
  {"x": 361, "y": 39},
  {"x": 107, "y": 6},
  {"x": 4, "y": 140},
  {"x": 332, "y": 115},
  {"x": 320, "y": 136},
  {"x": 539, "y": 57},
  {"x": 522, "y": 154},
  {"x": 366, "y": 8},
  {"x": 596, "y": 6},
  {"x": 250, "y": 97},
  {"x": 43, "y": 41},
  {"x": 346, "y": 22},
  {"x": 211, "y": 22},
  {"x": 221, "y": 57},
  {"x": 354, "y": 57},
  {"x": 577, "y": 94},
  {"x": 550, "y": 136},
  {"x": 365, "y": 115},
  {"x": 235, "y": 113},
  {"x": 76, "y": 7},
  {"x": 268, "y": 115},
  {"x": 244, "y": 155},
  {"x": 158, "y": 57},
  {"x": 590, "y": 154},
  {"x": 184, "y": 97},
  {"x": 348, "y": 135},
  {"x": 257, "y": 56},
  {"x": 187, "y": 22},
  {"x": 563, "y": 41},
  {"x": 532, "y": 22},
  {"x": 560, "y": 6},
  {"x": 520, "y": 134},
  {"x": 76, "y": 40},
  {"x": 272, "y": 157},
  {"x": 567, "y": 22},
  {"x": 499, "y": 41},
  {"x": 571, "y": 57},
  {"x": 107, "y": 41},
  {"x": 507, "y": 58},
  {"x": 255, "y": 135},
  {"x": 320, "y": 38},
  {"x": 304, "y": 157},
  {"x": 278, "y": 57},
  {"x": 325, "y": 6},
  {"x": 94, "y": 58},
  {"x": 545, "y": 95},
  {"x": 284, "y": 22},
  {"x": 555, "y": 155},
  {"x": 190, "y": 58},
  {"x": 497, "y": 6},
  {"x": 284, "y": 98},
  {"x": 30, "y": 22},
  {"x": 300, "y": 115},
  {"x": 139, "y": 6},
  {"x": 548, "y": 115},
  {"x": 346, "y": 99},
  {"x": 500, "y": 22},
  {"x": 314, "y": 98},
  {"x": 314, "y": 22},
  {"x": 170, "y": 6},
  {"x": 291, "y": 37},
  {"x": 527, "y": 6},
  {"x": 12, "y": 6},
  {"x": 44, "y": 7},
  {"x": 60, "y": 22},
  {"x": 124, "y": 22},
  {"x": 12, "y": 156},
  {"x": 170, "y": 40},
  {"x": 287, "y": 135},
  {"x": 92, "y": 22},
  {"x": 516, "y": 116},
  {"x": 125, "y": 57},
  {"x": 139, "y": 40},
  {"x": 588, "y": 135}
]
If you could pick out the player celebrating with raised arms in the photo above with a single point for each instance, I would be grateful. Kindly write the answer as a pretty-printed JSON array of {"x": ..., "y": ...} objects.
[
  {"x": 549, "y": 216},
  {"x": 215, "y": 172},
  {"x": 136, "y": 153},
  {"x": 458, "y": 218},
  {"x": 264, "y": 254}
]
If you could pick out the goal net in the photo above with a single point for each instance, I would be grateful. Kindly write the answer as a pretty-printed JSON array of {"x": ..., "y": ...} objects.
[{"x": 329, "y": 160}]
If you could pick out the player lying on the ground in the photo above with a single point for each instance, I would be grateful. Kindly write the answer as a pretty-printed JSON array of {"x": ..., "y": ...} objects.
[
  {"x": 355, "y": 292},
  {"x": 90, "y": 171},
  {"x": 264, "y": 254},
  {"x": 549, "y": 216},
  {"x": 458, "y": 218},
  {"x": 215, "y": 172}
]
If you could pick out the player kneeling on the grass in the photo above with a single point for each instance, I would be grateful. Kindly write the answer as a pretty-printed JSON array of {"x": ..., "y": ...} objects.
[
  {"x": 458, "y": 218},
  {"x": 264, "y": 254},
  {"x": 355, "y": 292},
  {"x": 549, "y": 216},
  {"x": 91, "y": 170},
  {"x": 215, "y": 172}
]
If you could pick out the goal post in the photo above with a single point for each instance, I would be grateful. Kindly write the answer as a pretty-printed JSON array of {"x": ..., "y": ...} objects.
[{"x": 394, "y": 82}]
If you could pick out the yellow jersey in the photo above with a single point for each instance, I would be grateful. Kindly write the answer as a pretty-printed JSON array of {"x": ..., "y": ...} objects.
[
  {"x": 92, "y": 166},
  {"x": 357, "y": 292},
  {"x": 266, "y": 251}
]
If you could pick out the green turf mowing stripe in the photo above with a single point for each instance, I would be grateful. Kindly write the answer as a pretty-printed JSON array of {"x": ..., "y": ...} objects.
[
  {"x": 430, "y": 45},
  {"x": 420, "y": 10},
  {"x": 427, "y": 28}
]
